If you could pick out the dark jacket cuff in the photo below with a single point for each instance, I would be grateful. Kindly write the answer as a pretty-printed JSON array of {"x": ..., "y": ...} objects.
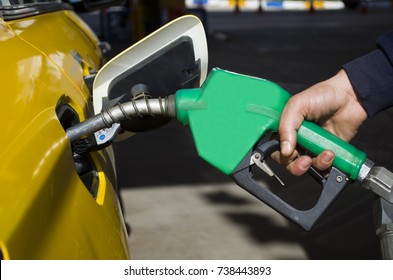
[{"x": 372, "y": 76}]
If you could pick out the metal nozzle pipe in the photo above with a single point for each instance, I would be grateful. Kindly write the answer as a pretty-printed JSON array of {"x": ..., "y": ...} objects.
[{"x": 136, "y": 108}]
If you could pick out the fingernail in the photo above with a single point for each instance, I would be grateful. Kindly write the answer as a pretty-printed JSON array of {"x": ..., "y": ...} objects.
[
  {"x": 305, "y": 164},
  {"x": 328, "y": 157},
  {"x": 286, "y": 148}
]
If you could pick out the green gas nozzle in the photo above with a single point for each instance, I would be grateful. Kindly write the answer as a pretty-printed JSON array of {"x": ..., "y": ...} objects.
[{"x": 231, "y": 112}]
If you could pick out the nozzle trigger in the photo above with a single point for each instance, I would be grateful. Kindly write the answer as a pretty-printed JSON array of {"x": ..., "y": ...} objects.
[{"x": 257, "y": 159}]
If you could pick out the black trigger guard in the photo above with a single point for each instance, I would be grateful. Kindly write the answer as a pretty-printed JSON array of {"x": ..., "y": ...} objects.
[
  {"x": 332, "y": 187},
  {"x": 267, "y": 148}
]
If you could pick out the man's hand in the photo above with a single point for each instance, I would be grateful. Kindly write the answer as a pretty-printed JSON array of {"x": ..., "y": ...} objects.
[{"x": 333, "y": 105}]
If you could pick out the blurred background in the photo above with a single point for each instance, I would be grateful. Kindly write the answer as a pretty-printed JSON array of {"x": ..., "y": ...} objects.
[{"x": 178, "y": 206}]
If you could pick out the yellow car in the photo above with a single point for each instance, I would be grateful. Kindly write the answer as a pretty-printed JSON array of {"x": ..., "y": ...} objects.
[
  {"x": 58, "y": 198},
  {"x": 53, "y": 204}
]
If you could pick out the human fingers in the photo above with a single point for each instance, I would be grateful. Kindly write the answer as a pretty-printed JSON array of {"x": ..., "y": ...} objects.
[
  {"x": 299, "y": 165},
  {"x": 291, "y": 119},
  {"x": 324, "y": 160},
  {"x": 295, "y": 164}
]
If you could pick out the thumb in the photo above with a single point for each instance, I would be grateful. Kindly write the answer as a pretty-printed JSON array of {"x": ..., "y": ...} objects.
[
  {"x": 287, "y": 142},
  {"x": 291, "y": 120}
]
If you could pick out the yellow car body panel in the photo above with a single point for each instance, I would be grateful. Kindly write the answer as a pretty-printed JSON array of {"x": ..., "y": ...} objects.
[
  {"x": 74, "y": 44},
  {"x": 46, "y": 211}
]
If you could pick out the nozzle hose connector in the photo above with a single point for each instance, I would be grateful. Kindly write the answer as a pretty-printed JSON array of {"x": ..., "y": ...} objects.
[{"x": 164, "y": 107}]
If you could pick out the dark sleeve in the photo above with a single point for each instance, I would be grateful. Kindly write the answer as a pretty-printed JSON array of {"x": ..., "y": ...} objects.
[{"x": 371, "y": 76}]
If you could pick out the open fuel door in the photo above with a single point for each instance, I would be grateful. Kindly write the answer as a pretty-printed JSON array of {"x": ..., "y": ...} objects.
[{"x": 172, "y": 58}]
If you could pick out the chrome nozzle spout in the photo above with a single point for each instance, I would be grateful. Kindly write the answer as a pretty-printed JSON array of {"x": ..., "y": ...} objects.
[{"x": 133, "y": 109}]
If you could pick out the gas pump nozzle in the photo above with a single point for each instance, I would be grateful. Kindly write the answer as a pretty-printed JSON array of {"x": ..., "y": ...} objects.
[{"x": 230, "y": 117}]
